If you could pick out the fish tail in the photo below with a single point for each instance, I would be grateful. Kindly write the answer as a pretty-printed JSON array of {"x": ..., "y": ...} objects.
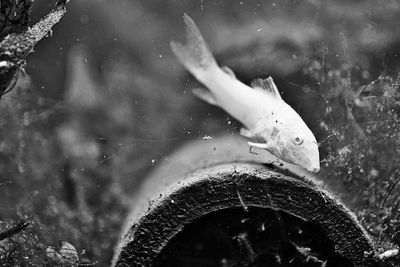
[{"x": 195, "y": 54}]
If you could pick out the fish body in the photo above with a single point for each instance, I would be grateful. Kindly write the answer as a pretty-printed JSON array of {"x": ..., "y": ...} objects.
[{"x": 266, "y": 117}]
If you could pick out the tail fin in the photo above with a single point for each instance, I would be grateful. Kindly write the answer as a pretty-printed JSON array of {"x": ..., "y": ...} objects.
[{"x": 195, "y": 54}]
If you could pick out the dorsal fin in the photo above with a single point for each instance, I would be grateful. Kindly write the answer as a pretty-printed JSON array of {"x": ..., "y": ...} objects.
[
  {"x": 266, "y": 84},
  {"x": 228, "y": 71}
]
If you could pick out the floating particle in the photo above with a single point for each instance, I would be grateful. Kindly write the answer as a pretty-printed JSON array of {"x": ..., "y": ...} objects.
[{"x": 207, "y": 137}]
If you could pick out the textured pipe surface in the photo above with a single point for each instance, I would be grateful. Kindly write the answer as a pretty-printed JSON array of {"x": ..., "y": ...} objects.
[{"x": 175, "y": 196}]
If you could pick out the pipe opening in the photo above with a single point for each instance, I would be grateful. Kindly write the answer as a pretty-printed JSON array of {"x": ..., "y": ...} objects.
[{"x": 258, "y": 237}]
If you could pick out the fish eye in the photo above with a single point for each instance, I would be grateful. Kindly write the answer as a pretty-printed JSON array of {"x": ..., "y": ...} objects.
[{"x": 298, "y": 140}]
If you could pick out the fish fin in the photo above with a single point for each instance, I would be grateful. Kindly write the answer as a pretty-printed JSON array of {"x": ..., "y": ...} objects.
[
  {"x": 228, "y": 71},
  {"x": 195, "y": 54},
  {"x": 246, "y": 133},
  {"x": 259, "y": 145},
  {"x": 205, "y": 95},
  {"x": 267, "y": 85}
]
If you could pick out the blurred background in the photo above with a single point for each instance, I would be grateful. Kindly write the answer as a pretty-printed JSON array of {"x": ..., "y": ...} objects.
[{"x": 104, "y": 101}]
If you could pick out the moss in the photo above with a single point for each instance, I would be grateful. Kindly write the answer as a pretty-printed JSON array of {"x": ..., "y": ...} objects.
[{"x": 14, "y": 16}]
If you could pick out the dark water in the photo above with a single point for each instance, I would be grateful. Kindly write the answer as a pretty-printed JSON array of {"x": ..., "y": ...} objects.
[{"x": 259, "y": 237}]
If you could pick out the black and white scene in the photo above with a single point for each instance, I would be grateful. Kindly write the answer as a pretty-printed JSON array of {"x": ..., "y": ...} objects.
[{"x": 202, "y": 133}]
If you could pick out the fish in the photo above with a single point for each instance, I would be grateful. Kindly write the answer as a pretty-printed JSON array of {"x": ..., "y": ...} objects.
[{"x": 268, "y": 121}]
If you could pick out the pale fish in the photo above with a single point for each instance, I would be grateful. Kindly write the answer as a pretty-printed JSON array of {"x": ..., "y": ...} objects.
[{"x": 268, "y": 120}]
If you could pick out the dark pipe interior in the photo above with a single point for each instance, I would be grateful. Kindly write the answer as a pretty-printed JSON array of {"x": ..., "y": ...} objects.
[{"x": 256, "y": 237}]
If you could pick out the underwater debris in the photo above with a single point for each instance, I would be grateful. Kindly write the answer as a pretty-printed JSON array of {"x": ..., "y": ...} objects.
[{"x": 16, "y": 46}]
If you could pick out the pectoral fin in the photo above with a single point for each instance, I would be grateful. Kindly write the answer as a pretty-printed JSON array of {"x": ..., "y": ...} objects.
[{"x": 258, "y": 145}]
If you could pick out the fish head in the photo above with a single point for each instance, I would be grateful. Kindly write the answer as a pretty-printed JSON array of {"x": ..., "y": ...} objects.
[{"x": 297, "y": 145}]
